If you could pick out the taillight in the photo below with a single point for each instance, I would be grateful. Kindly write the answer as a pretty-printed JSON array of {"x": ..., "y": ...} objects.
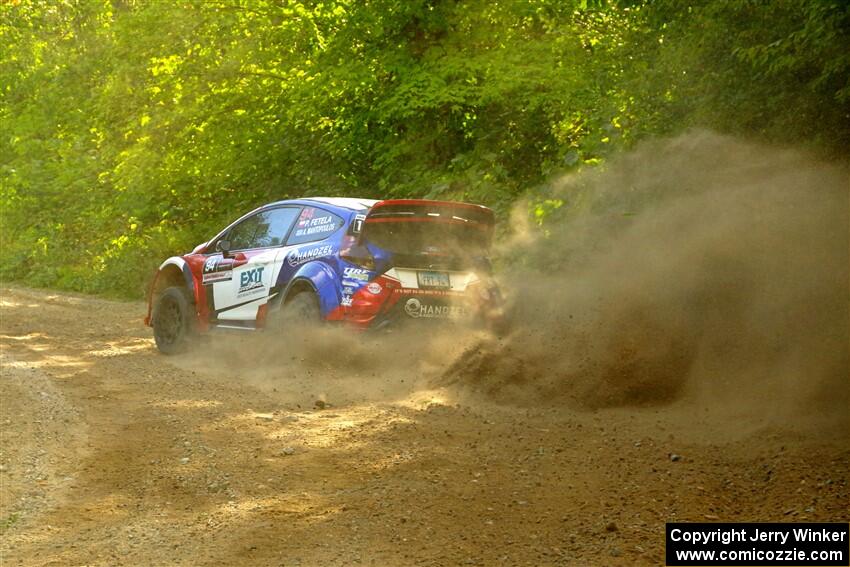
[{"x": 356, "y": 253}]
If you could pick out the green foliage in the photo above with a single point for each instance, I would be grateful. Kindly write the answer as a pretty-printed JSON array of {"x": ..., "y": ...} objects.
[
  {"x": 777, "y": 70},
  {"x": 131, "y": 131}
]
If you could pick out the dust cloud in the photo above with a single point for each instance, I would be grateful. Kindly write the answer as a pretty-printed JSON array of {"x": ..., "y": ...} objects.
[
  {"x": 701, "y": 268},
  {"x": 698, "y": 268},
  {"x": 334, "y": 366}
]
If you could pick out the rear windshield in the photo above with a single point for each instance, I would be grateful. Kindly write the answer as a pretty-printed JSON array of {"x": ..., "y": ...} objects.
[{"x": 458, "y": 239}]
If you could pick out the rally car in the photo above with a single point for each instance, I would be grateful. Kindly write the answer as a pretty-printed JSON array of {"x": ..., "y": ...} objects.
[{"x": 363, "y": 263}]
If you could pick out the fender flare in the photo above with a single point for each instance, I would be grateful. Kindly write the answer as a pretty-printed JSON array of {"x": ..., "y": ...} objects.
[
  {"x": 182, "y": 265},
  {"x": 322, "y": 279}
]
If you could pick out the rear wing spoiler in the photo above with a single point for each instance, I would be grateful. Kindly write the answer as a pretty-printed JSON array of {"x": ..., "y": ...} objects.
[
  {"x": 416, "y": 230},
  {"x": 423, "y": 210}
]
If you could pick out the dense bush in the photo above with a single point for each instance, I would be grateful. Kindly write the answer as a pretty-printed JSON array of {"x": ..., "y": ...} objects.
[{"x": 130, "y": 130}]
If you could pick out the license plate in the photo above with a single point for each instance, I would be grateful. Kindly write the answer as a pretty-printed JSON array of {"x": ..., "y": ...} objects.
[{"x": 433, "y": 280}]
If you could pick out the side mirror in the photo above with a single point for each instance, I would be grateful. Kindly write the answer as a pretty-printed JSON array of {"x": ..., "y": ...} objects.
[{"x": 223, "y": 246}]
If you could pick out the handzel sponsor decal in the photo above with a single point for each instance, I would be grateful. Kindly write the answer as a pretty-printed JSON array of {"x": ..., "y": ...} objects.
[
  {"x": 251, "y": 281},
  {"x": 416, "y": 309},
  {"x": 298, "y": 257}
]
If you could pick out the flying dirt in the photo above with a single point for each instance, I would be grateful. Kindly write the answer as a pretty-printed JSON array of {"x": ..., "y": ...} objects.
[
  {"x": 677, "y": 351},
  {"x": 701, "y": 268}
]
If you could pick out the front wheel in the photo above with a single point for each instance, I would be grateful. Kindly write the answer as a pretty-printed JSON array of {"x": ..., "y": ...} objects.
[{"x": 171, "y": 321}]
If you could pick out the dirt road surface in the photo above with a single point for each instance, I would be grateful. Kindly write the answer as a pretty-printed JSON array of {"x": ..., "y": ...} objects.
[{"x": 113, "y": 454}]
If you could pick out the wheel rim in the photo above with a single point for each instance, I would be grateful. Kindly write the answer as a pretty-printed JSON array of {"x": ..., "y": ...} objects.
[{"x": 169, "y": 322}]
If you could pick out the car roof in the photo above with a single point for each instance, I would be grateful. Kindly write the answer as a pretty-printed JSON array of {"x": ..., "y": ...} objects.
[
  {"x": 346, "y": 202},
  {"x": 350, "y": 203}
]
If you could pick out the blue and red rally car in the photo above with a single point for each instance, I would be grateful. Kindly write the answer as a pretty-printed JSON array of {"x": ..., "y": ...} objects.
[{"x": 368, "y": 264}]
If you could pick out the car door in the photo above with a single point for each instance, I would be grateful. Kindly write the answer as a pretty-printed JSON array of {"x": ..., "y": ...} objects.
[{"x": 252, "y": 263}]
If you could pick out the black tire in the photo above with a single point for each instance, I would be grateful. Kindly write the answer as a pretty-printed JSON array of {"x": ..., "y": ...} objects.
[
  {"x": 301, "y": 309},
  {"x": 171, "y": 321}
]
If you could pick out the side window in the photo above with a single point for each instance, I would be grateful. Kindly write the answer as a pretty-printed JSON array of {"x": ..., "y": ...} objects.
[
  {"x": 314, "y": 224},
  {"x": 263, "y": 230}
]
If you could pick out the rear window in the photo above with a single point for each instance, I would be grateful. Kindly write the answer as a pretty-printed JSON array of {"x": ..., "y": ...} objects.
[
  {"x": 314, "y": 224},
  {"x": 430, "y": 238}
]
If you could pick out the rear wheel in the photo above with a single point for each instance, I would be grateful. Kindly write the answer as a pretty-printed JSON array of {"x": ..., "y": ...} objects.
[
  {"x": 172, "y": 321},
  {"x": 301, "y": 309}
]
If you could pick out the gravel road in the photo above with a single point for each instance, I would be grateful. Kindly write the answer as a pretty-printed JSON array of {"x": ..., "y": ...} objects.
[{"x": 113, "y": 454}]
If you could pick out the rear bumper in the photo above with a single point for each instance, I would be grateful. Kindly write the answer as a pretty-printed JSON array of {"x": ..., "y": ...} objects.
[{"x": 385, "y": 303}]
